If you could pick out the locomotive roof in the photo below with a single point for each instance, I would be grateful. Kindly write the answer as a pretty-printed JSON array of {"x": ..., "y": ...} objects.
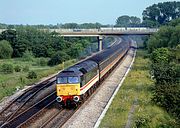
[
  {"x": 87, "y": 65},
  {"x": 79, "y": 68}
]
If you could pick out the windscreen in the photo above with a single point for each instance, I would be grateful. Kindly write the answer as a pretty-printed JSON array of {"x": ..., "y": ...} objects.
[
  {"x": 66, "y": 80},
  {"x": 73, "y": 79}
]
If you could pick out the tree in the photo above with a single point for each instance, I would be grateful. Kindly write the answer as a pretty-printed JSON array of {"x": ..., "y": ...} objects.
[
  {"x": 43, "y": 43},
  {"x": 163, "y": 70},
  {"x": 175, "y": 36},
  {"x": 9, "y": 35},
  {"x": 168, "y": 97},
  {"x": 58, "y": 58},
  {"x": 20, "y": 46},
  {"x": 177, "y": 53},
  {"x": 165, "y": 48},
  {"x": 70, "y": 25},
  {"x": 161, "y": 39},
  {"x": 161, "y": 55},
  {"x": 127, "y": 21},
  {"x": 90, "y": 25},
  {"x": 40, "y": 50},
  {"x": 5, "y": 49},
  {"x": 167, "y": 36},
  {"x": 28, "y": 56},
  {"x": 1, "y": 38},
  {"x": 150, "y": 23},
  {"x": 162, "y": 12},
  {"x": 75, "y": 50},
  {"x": 175, "y": 22}
]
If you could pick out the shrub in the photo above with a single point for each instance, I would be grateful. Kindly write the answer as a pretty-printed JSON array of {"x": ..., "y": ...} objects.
[
  {"x": 7, "y": 68},
  {"x": 168, "y": 96},
  {"x": 28, "y": 56},
  {"x": 32, "y": 75},
  {"x": 5, "y": 50},
  {"x": 42, "y": 61},
  {"x": 58, "y": 58},
  {"x": 17, "y": 68}
]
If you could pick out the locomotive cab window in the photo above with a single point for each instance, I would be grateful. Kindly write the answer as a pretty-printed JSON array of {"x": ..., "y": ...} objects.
[
  {"x": 73, "y": 79},
  {"x": 70, "y": 80},
  {"x": 62, "y": 80}
]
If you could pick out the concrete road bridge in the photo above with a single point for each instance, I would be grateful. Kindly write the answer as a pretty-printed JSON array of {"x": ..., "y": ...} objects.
[
  {"x": 100, "y": 33},
  {"x": 104, "y": 31}
]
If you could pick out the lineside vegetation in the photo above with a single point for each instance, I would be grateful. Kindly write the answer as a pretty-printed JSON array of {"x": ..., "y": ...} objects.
[{"x": 133, "y": 102}]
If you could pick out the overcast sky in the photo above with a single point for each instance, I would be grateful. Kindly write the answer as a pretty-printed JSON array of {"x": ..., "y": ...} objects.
[{"x": 66, "y": 11}]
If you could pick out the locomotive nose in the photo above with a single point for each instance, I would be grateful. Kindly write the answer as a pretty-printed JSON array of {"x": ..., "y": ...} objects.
[{"x": 58, "y": 99}]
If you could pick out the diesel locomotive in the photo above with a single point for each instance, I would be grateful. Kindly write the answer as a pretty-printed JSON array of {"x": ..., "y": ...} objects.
[{"x": 76, "y": 83}]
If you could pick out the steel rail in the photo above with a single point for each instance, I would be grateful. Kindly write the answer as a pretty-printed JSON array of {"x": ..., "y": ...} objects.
[{"x": 22, "y": 117}]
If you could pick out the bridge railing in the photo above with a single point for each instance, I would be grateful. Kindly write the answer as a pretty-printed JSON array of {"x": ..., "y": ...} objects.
[
  {"x": 101, "y": 30},
  {"x": 109, "y": 30}
]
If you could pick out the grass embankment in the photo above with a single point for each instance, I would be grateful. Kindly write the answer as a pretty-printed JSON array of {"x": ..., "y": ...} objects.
[
  {"x": 135, "y": 97},
  {"x": 10, "y": 82}
]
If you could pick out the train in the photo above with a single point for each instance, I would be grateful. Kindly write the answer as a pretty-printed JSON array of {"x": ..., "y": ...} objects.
[{"x": 76, "y": 83}]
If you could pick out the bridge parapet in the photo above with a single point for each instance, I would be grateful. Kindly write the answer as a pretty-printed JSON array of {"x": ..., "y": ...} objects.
[
  {"x": 101, "y": 31},
  {"x": 105, "y": 31}
]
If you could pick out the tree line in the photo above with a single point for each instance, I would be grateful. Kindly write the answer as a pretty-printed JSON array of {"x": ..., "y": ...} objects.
[
  {"x": 40, "y": 44},
  {"x": 164, "y": 49}
]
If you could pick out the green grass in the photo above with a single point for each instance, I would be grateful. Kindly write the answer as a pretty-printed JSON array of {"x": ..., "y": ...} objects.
[
  {"x": 10, "y": 82},
  {"x": 136, "y": 92}
]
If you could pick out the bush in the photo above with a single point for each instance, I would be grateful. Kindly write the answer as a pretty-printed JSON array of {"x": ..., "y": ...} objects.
[
  {"x": 32, "y": 75},
  {"x": 17, "y": 68},
  {"x": 42, "y": 61},
  {"x": 7, "y": 68},
  {"x": 5, "y": 50},
  {"x": 28, "y": 56},
  {"x": 168, "y": 96},
  {"x": 58, "y": 58},
  {"x": 26, "y": 68}
]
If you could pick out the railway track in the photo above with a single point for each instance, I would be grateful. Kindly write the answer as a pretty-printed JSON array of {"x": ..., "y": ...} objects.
[
  {"x": 20, "y": 104},
  {"x": 23, "y": 117},
  {"x": 59, "y": 119}
]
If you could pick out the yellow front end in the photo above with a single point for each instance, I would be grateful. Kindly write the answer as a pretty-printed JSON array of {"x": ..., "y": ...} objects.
[{"x": 68, "y": 89}]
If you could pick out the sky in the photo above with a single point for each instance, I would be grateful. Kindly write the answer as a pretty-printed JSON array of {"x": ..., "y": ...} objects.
[{"x": 68, "y": 11}]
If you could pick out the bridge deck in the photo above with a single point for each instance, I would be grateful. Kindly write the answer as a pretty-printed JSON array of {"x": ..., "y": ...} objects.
[{"x": 101, "y": 32}]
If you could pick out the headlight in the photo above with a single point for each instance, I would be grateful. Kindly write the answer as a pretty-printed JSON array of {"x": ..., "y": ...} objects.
[
  {"x": 58, "y": 99},
  {"x": 76, "y": 98}
]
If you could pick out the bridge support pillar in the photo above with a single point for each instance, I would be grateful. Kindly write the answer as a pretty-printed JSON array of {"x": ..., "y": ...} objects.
[{"x": 100, "y": 38}]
